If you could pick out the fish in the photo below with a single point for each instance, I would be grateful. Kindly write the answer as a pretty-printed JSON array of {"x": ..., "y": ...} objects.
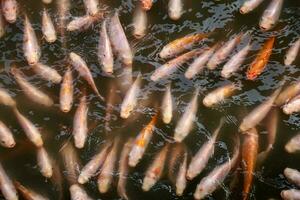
[
  {"x": 91, "y": 168},
  {"x": 167, "y": 105},
  {"x": 223, "y": 52},
  {"x": 80, "y": 128},
  {"x": 80, "y": 65},
  {"x": 171, "y": 66},
  {"x": 198, "y": 65},
  {"x": 186, "y": 121},
  {"x": 10, "y": 10},
  {"x": 119, "y": 41},
  {"x": 7, "y": 139},
  {"x": 112, "y": 99},
  {"x": 47, "y": 1},
  {"x": 31, "y": 48},
  {"x": 2, "y": 24},
  {"x": 259, "y": 113},
  {"x": 288, "y": 93},
  {"x": 32, "y": 92},
  {"x": 139, "y": 22},
  {"x": 107, "y": 172},
  {"x": 271, "y": 15},
  {"x": 292, "y": 53},
  {"x": 141, "y": 142},
  {"x": 131, "y": 97},
  {"x": 83, "y": 23},
  {"x": 293, "y": 145},
  {"x": 105, "y": 54},
  {"x": 200, "y": 160},
  {"x": 7, "y": 187},
  {"x": 124, "y": 169},
  {"x": 66, "y": 91},
  {"x": 293, "y": 106},
  {"x": 44, "y": 162},
  {"x": 235, "y": 62},
  {"x": 290, "y": 194},
  {"x": 6, "y": 99},
  {"x": 182, "y": 44},
  {"x": 57, "y": 179},
  {"x": 249, "y": 155},
  {"x": 156, "y": 168},
  {"x": 146, "y": 4},
  {"x": 28, "y": 193},
  {"x": 292, "y": 175},
  {"x": 249, "y": 5},
  {"x": 78, "y": 193},
  {"x": 48, "y": 27},
  {"x": 219, "y": 95},
  {"x": 259, "y": 63},
  {"x": 215, "y": 178},
  {"x": 181, "y": 181},
  {"x": 175, "y": 9},
  {"x": 47, "y": 73},
  {"x": 31, "y": 131},
  {"x": 91, "y": 7},
  {"x": 63, "y": 10}
]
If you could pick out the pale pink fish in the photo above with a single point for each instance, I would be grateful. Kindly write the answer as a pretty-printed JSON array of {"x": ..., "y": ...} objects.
[
  {"x": 235, "y": 62},
  {"x": 6, "y": 99},
  {"x": 63, "y": 10},
  {"x": 47, "y": 1},
  {"x": 131, "y": 97},
  {"x": 293, "y": 145},
  {"x": 291, "y": 194},
  {"x": 119, "y": 41},
  {"x": 112, "y": 99},
  {"x": 258, "y": 113},
  {"x": 292, "y": 175},
  {"x": 48, "y": 27},
  {"x": 10, "y": 10},
  {"x": 139, "y": 22},
  {"x": 91, "y": 168},
  {"x": 156, "y": 169},
  {"x": 80, "y": 129},
  {"x": 31, "y": 91},
  {"x": 80, "y": 65},
  {"x": 171, "y": 66},
  {"x": 200, "y": 160},
  {"x": 175, "y": 9},
  {"x": 108, "y": 169},
  {"x": 288, "y": 93},
  {"x": 31, "y": 48},
  {"x": 124, "y": 169},
  {"x": 167, "y": 105},
  {"x": 31, "y": 131},
  {"x": 84, "y": 22},
  {"x": 66, "y": 91},
  {"x": 198, "y": 64},
  {"x": 44, "y": 162},
  {"x": 105, "y": 54},
  {"x": 249, "y": 5},
  {"x": 216, "y": 177},
  {"x": 2, "y": 24},
  {"x": 293, "y": 106},
  {"x": 292, "y": 53},
  {"x": 186, "y": 121},
  {"x": 271, "y": 15},
  {"x": 47, "y": 73},
  {"x": 223, "y": 52},
  {"x": 6, "y": 137},
  {"x": 91, "y": 6},
  {"x": 29, "y": 194},
  {"x": 7, "y": 187},
  {"x": 181, "y": 181},
  {"x": 78, "y": 193}
]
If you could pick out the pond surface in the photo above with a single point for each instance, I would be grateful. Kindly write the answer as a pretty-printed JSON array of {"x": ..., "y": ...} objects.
[{"x": 221, "y": 17}]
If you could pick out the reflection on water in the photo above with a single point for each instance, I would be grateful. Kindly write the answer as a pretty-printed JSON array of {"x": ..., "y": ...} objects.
[{"x": 221, "y": 17}]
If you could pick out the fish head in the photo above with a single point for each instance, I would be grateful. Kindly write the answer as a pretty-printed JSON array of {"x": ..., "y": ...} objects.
[
  {"x": 209, "y": 100},
  {"x": 149, "y": 181},
  {"x": 251, "y": 75},
  {"x": 33, "y": 58},
  {"x": 266, "y": 23},
  {"x": 8, "y": 141},
  {"x": 180, "y": 187},
  {"x": 287, "y": 109},
  {"x": 10, "y": 12},
  {"x": 125, "y": 112},
  {"x": 245, "y": 8},
  {"x": 200, "y": 192}
]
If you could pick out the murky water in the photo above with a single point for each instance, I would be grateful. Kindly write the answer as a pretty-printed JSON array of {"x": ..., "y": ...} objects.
[{"x": 223, "y": 18}]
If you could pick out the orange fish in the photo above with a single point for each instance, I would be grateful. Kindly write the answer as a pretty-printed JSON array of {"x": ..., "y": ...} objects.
[
  {"x": 146, "y": 4},
  {"x": 260, "y": 62}
]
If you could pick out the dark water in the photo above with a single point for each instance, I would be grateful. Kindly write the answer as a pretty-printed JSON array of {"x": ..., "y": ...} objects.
[{"x": 223, "y": 18}]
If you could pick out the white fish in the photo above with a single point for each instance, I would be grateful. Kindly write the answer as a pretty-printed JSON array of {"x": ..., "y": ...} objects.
[
  {"x": 48, "y": 27},
  {"x": 63, "y": 10},
  {"x": 10, "y": 10},
  {"x": 249, "y": 5},
  {"x": 292, "y": 53},
  {"x": 185, "y": 123},
  {"x": 167, "y": 105},
  {"x": 175, "y": 9},
  {"x": 91, "y": 6},
  {"x": 7, "y": 187},
  {"x": 130, "y": 99},
  {"x": 292, "y": 175},
  {"x": 84, "y": 22},
  {"x": 271, "y": 15},
  {"x": 140, "y": 22},
  {"x": 293, "y": 145},
  {"x": 6, "y": 137},
  {"x": 29, "y": 194},
  {"x": 291, "y": 194},
  {"x": 47, "y": 73},
  {"x": 47, "y": 1},
  {"x": 6, "y": 99},
  {"x": 292, "y": 106},
  {"x": 66, "y": 91},
  {"x": 181, "y": 181},
  {"x": 2, "y": 24},
  {"x": 78, "y": 193},
  {"x": 44, "y": 162}
]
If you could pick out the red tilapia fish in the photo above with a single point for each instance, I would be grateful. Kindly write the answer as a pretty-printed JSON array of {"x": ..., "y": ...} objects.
[
  {"x": 146, "y": 4},
  {"x": 260, "y": 62}
]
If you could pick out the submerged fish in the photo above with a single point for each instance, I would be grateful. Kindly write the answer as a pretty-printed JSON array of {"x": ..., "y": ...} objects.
[
  {"x": 7, "y": 139},
  {"x": 47, "y": 73},
  {"x": 44, "y": 162},
  {"x": 261, "y": 60},
  {"x": 288, "y": 93},
  {"x": 141, "y": 142},
  {"x": 291, "y": 194},
  {"x": 91, "y": 6},
  {"x": 249, "y": 5},
  {"x": 292, "y": 175},
  {"x": 167, "y": 105},
  {"x": 2, "y": 24},
  {"x": 200, "y": 160},
  {"x": 48, "y": 27},
  {"x": 6, "y": 99},
  {"x": 84, "y": 22},
  {"x": 63, "y": 10},
  {"x": 10, "y": 10},
  {"x": 47, "y": 1},
  {"x": 175, "y": 9},
  {"x": 146, "y": 4},
  {"x": 78, "y": 193},
  {"x": 293, "y": 145},
  {"x": 7, "y": 187},
  {"x": 66, "y": 91},
  {"x": 28, "y": 193},
  {"x": 140, "y": 22},
  {"x": 271, "y": 15},
  {"x": 292, "y": 53},
  {"x": 181, "y": 44},
  {"x": 292, "y": 106},
  {"x": 186, "y": 121}
]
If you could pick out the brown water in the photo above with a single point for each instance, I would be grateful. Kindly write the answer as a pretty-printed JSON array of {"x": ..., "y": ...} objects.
[{"x": 223, "y": 18}]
